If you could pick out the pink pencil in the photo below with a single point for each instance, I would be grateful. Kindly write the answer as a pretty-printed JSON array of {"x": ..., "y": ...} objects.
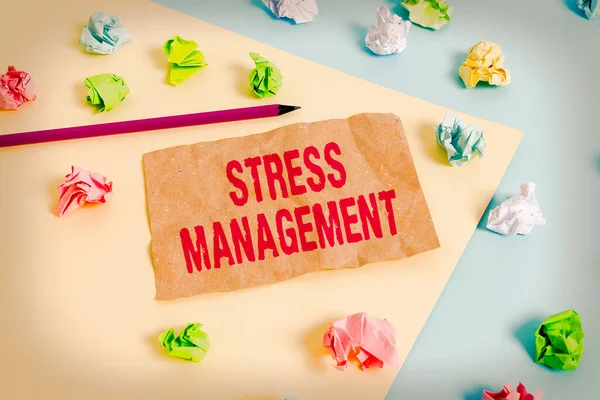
[{"x": 139, "y": 125}]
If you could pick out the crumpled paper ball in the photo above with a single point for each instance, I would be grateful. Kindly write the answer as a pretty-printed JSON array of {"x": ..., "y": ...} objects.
[
  {"x": 104, "y": 34},
  {"x": 460, "y": 141},
  {"x": 431, "y": 14},
  {"x": 82, "y": 187},
  {"x": 106, "y": 91},
  {"x": 559, "y": 341},
  {"x": 184, "y": 59},
  {"x": 371, "y": 339},
  {"x": 507, "y": 393},
  {"x": 266, "y": 79},
  {"x": 591, "y": 8},
  {"x": 16, "y": 89},
  {"x": 484, "y": 63},
  {"x": 300, "y": 11},
  {"x": 389, "y": 36},
  {"x": 191, "y": 344},
  {"x": 517, "y": 215}
]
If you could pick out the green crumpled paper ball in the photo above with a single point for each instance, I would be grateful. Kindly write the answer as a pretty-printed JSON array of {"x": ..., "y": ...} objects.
[
  {"x": 191, "y": 344},
  {"x": 431, "y": 14},
  {"x": 184, "y": 59},
  {"x": 559, "y": 341},
  {"x": 106, "y": 91},
  {"x": 266, "y": 78}
]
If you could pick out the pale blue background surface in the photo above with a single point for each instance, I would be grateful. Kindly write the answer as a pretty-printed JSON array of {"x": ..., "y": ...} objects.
[{"x": 502, "y": 287}]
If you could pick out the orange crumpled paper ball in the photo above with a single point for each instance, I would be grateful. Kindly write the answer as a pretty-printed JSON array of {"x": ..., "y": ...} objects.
[
  {"x": 82, "y": 187},
  {"x": 16, "y": 89}
]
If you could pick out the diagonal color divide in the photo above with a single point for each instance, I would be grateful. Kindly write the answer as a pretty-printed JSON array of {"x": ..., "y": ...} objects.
[{"x": 79, "y": 290}]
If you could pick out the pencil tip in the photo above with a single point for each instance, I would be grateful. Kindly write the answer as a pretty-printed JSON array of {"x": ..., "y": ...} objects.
[{"x": 283, "y": 109}]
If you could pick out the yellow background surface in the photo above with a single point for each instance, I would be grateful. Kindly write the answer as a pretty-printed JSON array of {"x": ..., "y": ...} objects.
[{"x": 77, "y": 308}]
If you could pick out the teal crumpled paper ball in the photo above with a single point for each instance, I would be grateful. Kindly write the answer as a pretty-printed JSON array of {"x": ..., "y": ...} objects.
[
  {"x": 461, "y": 142},
  {"x": 591, "y": 8},
  {"x": 104, "y": 34}
]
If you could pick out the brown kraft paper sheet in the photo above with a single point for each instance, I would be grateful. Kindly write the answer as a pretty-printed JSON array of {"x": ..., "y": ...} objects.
[{"x": 255, "y": 210}]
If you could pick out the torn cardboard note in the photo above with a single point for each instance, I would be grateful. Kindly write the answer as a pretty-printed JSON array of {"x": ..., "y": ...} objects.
[{"x": 255, "y": 210}]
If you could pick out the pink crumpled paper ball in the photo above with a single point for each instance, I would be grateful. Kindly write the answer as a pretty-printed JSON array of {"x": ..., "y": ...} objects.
[
  {"x": 507, "y": 393},
  {"x": 82, "y": 187},
  {"x": 16, "y": 88},
  {"x": 371, "y": 339}
]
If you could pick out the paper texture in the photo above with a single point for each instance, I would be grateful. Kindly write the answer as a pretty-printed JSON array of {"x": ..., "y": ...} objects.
[
  {"x": 191, "y": 344},
  {"x": 460, "y": 141},
  {"x": 559, "y": 341},
  {"x": 82, "y": 187},
  {"x": 104, "y": 34},
  {"x": 431, "y": 14},
  {"x": 184, "y": 59},
  {"x": 591, "y": 8},
  {"x": 389, "y": 35},
  {"x": 94, "y": 269},
  {"x": 300, "y": 11},
  {"x": 484, "y": 63},
  {"x": 507, "y": 393},
  {"x": 517, "y": 215},
  {"x": 265, "y": 79},
  {"x": 106, "y": 91},
  {"x": 270, "y": 207},
  {"x": 370, "y": 339},
  {"x": 16, "y": 89}
]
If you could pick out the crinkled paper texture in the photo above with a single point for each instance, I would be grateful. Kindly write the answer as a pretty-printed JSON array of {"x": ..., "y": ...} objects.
[
  {"x": 301, "y": 11},
  {"x": 265, "y": 79},
  {"x": 431, "y": 14},
  {"x": 591, "y": 8},
  {"x": 559, "y": 341},
  {"x": 106, "y": 91},
  {"x": 484, "y": 63},
  {"x": 82, "y": 187},
  {"x": 389, "y": 36},
  {"x": 460, "y": 141},
  {"x": 183, "y": 58},
  {"x": 371, "y": 339},
  {"x": 16, "y": 89},
  {"x": 192, "y": 343},
  {"x": 507, "y": 393},
  {"x": 104, "y": 34},
  {"x": 194, "y": 189},
  {"x": 517, "y": 215}
]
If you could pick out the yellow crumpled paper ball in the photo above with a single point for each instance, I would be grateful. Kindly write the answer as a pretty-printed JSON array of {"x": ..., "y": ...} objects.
[{"x": 484, "y": 63}]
